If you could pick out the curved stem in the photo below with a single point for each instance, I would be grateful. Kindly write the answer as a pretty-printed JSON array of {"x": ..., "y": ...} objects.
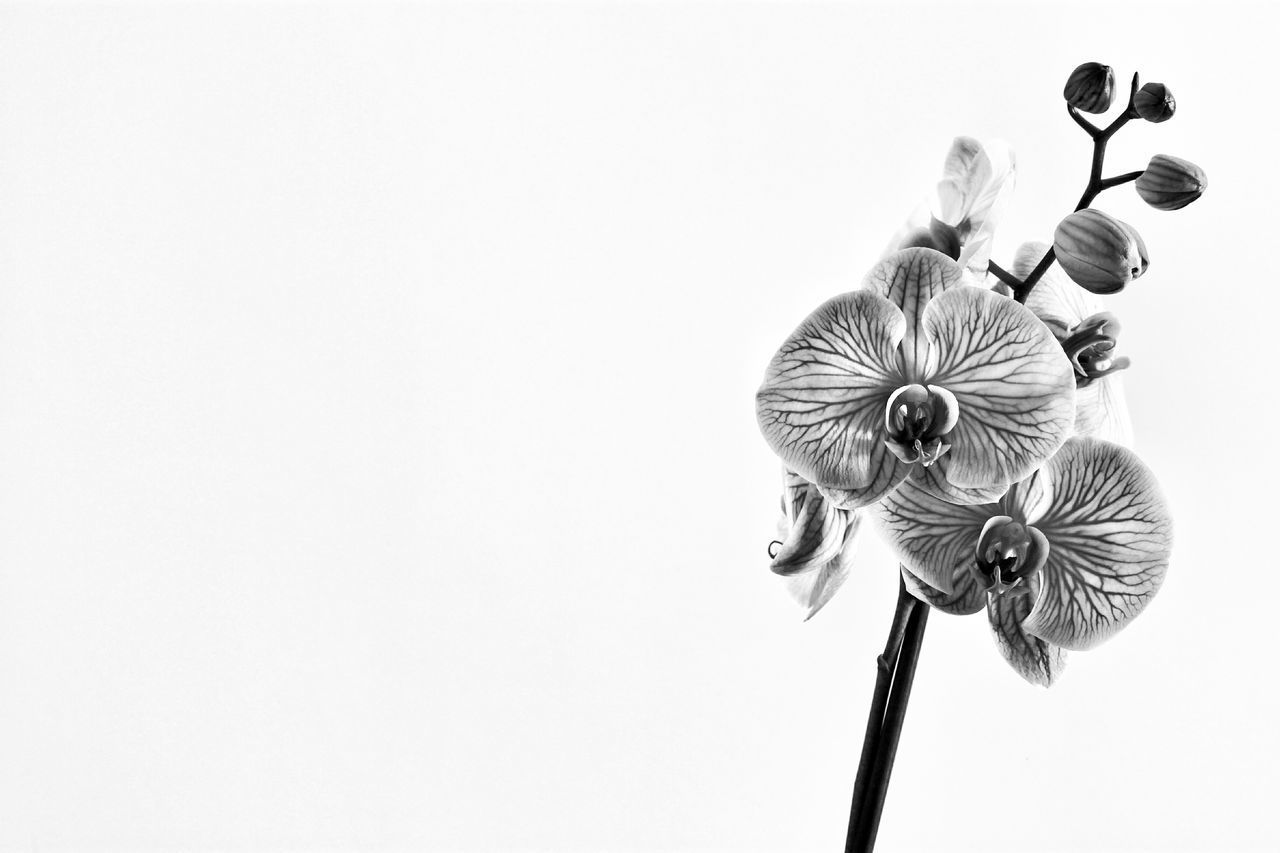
[
  {"x": 886, "y": 663},
  {"x": 1088, "y": 126}
]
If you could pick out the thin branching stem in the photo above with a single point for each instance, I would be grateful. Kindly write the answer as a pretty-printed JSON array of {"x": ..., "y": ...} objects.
[{"x": 1097, "y": 184}]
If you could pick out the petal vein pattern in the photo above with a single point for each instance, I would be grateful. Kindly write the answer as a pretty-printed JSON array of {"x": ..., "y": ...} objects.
[
  {"x": 1014, "y": 385},
  {"x": 965, "y": 598},
  {"x": 1034, "y": 659},
  {"x": 910, "y": 279},
  {"x": 933, "y": 539},
  {"x": 814, "y": 588},
  {"x": 816, "y": 535},
  {"x": 1110, "y": 534},
  {"x": 821, "y": 407}
]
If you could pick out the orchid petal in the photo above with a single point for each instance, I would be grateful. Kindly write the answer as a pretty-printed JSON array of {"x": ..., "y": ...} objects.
[
  {"x": 1109, "y": 532},
  {"x": 816, "y": 534},
  {"x": 1014, "y": 384},
  {"x": 889, "y": 472},
  {"x": 1101, "y": 411},
  {"x": 821, "y": 407},
  {"x": 933, "y": 539},
  {"x": 964, "y": 172},
  {"x": 910, "y": 279},
  {"x": 1028, "y": 499},
  {"x": 933, "y": 480},
  {"x": 988, "y": 202},
  {"x": 814, "y": 588},
  {"x": 1034, "y": 659},
  {"x": 966, "y": 596}
]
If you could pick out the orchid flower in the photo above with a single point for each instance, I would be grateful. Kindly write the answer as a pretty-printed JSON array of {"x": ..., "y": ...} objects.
[
  {"x": 914, "y": 375},
  {"x": 1064, "y": 560},
  {"x": 960, "y": 218},
  {"x": 816, "y": 543},
  {"x": 1088, "y": 335}
]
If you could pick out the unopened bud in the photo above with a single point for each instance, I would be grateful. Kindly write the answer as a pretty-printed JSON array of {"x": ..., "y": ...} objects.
[
  {"x": 1154, "y": 102},
  {"x": 1091, "y": 87},
  {"x": 1170, "y": 183},
  {"x": 1099, "y": 252}
]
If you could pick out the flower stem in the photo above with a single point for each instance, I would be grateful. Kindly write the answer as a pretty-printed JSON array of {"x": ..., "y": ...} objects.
[
  {"x": 1021, "y": 292},
  {"x": 895, "y": 671}
]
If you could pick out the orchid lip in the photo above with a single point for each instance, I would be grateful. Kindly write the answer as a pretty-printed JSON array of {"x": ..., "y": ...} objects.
[
  {"x": 916, "y": 420},
  {"x": 1090, "y": 346},
  {"x": 1008, "y": 555}
]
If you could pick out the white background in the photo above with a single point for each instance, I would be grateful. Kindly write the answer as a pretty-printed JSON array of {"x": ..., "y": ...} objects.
[{"x": 378, "y": 462}]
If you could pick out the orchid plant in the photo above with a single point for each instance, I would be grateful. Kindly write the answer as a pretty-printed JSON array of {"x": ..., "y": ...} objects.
[{"x": 975, "y": 416}]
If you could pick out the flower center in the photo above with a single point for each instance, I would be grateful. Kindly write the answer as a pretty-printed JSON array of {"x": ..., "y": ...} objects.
[
  {"x": 1007, "y": 554},
  {"x": 916, "y": 419},
  {"x": 1091, "y": 347}
]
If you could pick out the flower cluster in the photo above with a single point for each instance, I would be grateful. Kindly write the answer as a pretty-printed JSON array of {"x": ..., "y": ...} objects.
[{"x": 976, "y": 415}]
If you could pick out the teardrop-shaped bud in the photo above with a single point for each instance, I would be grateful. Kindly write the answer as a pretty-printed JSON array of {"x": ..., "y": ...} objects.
[
  {"x": 1154, "y": 102},
  {"x": 1099, "y": 252},
  {"x": 1091, "y": 87},
  {"x": 1171, "y": 183}
]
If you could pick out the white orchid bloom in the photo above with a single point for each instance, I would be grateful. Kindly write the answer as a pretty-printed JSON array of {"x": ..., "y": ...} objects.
[
  {"x": 960, "y": 217},
  {"x": 815, "y": 545}
]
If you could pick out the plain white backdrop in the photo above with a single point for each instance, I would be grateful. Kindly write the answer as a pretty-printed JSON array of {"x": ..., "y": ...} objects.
[{"x": 378, "y": 462}]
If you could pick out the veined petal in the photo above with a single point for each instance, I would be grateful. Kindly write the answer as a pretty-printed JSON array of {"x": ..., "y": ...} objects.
[
  {"x": 814, "y": 588},
  {"x": 966, "y": 596},
  {"x": 1101, "y": 411},
  {"x": 888, "y": 473},
  {"x": 1034, "y": 659},
  {"x": 1109, "y": 534},
  {"x": 1015, "y": 386},
  {"x": 934, "y": 481},
  {"x": 1027, "y": 499},
  {"x": 932, "y": 538},
  {"x": 816, "y": 534},
  {"x": 1055, "y": 298},
  {"x": 821, "y": 407},
  {"x": 910, "y": 279},
  {"x": 794, "y": 490}
]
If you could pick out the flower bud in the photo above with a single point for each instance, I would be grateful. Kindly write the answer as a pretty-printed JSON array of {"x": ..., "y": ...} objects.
[
  {"x": 1099, "y": 252},
  {"x": 1170, "y": 183},
  {"x": 1154, "y": 102},
  {"x": 1091, "y": 87}
]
